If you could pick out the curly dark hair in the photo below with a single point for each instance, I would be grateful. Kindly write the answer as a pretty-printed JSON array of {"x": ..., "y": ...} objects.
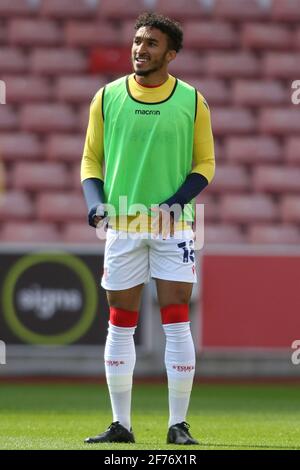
[{"x": 170, "y": 27}]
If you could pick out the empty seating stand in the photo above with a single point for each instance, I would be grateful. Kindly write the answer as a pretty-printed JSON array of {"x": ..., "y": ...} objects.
[{"x": 241, "y": 55}]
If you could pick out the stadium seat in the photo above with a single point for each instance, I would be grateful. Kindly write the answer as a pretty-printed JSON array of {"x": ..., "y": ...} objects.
[
  {"x": 16, "y": 205},
  {"x": 232, "y": 121},
  {"x": 78, "y": 89},
  {"x": 83, "y": 118},
  {"x": 13, "y": 60},
  {"x": 183, "y": 10},
  {"x": 3, "y": 34},
  {"x": 283, "y": 121},
  {"x": 266, "y": 36},
  {"x": 62, "y": 9},
  {"x": 286, "y": 10},
  {"x": 237, "y": 10},
  {"x": 61, "y": 207},
  {"x": 75, "y": 177},
  {"x": 27, "y": 88},
  {"x": 80, "y": 233},
  {"x": 18, "y": 146},
  {"x": 211, "y": 207},
  {"x": 209, "y": 35},
  {"x": 65, "y": 148},
  {"x": 276, "y": 179},
  {"x": 115, "y": 59},
  {"x": 30, "y": 32},
  {"x": 292, "y": 150},
  {"x": 17, "y": 8},
  {"x": 189, "y": 63},
  {"x": 40, "y": 176},
  {"x": 259, "y": 93},
  {"x": 8, "y": 118},
  {"x": 271, "y": 234},
  {"x": 248, "y": 208},
  {"x": 281, "y": 65},
  {"x": 232, "y": 65},
  {"x": 87, "y": 34},
  {"x": 118, "y": 9},
  {"x": 30, "y": 232},
  {"x": 254, "y": 149},
  {"x": 290, "y": 209},
  {"x": 215, "y": 91},
  {"x": 223, "y": 233},
  {"x": 230, "y": 178},
  {"x": 47, "y": 118},
  {"x": 58, "y": 61}
]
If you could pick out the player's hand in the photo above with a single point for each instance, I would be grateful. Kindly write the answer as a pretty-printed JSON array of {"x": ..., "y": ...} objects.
[
  {"x": 96, "y": 215},
  {"x": 162, "y": 223}
]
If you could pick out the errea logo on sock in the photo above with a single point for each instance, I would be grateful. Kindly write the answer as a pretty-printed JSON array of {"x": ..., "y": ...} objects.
[
  {"x": 2, "y": 92},
  {"x": 2, "y": 353}
]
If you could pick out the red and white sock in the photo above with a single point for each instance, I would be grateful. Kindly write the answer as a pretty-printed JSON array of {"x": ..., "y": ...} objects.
[
  {"x": 179, "y": 360},
  {"x": 119, "y": 358}
]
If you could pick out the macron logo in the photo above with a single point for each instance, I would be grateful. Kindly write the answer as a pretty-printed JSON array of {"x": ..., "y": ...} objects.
[{"x": 147, "y": 112}]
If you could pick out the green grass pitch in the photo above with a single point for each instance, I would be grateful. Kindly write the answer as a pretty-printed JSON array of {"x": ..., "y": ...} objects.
[{"x": 56, "y": 416}]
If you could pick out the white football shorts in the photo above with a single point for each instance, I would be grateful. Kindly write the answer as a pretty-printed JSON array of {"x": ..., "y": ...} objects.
[{"x": 130, "y": 261}]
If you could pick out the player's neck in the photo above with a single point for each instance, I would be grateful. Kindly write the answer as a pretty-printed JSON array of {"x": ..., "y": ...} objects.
[{"x": 153, "y": 80}]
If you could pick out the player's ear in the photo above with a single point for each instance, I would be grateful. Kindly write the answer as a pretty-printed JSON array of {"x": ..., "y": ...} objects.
[{"x": 171, "y": 54}]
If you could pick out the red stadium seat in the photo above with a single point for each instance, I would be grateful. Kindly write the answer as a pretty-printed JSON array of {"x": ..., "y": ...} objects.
[
  {"x": 47, "y": 118},
  {"x": 232, "y": 65},
  {"x": 271, "y": 234},
  {"x": 223, "y": 233},
  {"x": 292, "y": 150},
  {"x": 211, "y": 208},
  {"x": 66, "y": 148},
  {"x": 40, "y": 176},
  {"x": 189, "y": 63},
  {"x": 18, "y": 146},
  {"x": 86, "y": 34},
  {"x": 17, "y": 8},
  {"x": 83, "y": 118},
  {"x": 3, "y": 34},
  {"x": 253, "y": 149},
  {"x": 182, "y": 10},
  {"x": 281, "y": 65},
  {"x": 260, "y": 93},
  {"x": 58, "y": 61},
  {"x": 80, "y": 233},
  {"x": 286, "y": 10},
  {"x": 213, "y": 35},
  {"x": 290, "y": 209},
  {"x": 126, "y": 33},
  {"x": 75, "y": 177},
  {"x": 232, "y": 121},
  {"x": 30, "y": 232},
  {"x": 8, "y": 118},
  {"x": 237, "y": 10},
  {"x": 78, "y": 89},
  {"x": 13, "y": 60},
  {"x": 30, "y": 32},
  {"x": 230, "y": 178},
  {"x": 248, "y": 208},
  {"x": 297, "y": 39},
  {"x": 215, "y": 91},
  {"x": 276, "y": 179},
  {"x": 15, "y": 205},
  {"x": 280, "y": 121},
  {"x": 61, "y": 207},
  {"x": 118, "y": 9},
  {"x": 27, "y": 89},
  {"x": 62, "y": 9},
  {"x": 264, "y": 36},
  {"x": 112, "y": 59}
]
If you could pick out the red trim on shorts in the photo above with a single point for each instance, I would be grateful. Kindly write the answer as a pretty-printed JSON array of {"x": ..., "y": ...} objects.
[
  {"x": 124, "y": 318},
  {"x": 174, "y": 313}
]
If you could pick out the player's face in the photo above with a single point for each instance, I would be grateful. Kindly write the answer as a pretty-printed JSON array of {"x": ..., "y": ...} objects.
[{"x": 150, "y": 51}]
